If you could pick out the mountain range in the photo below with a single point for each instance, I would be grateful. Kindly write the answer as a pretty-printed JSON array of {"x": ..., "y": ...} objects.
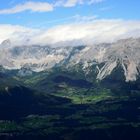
[
  {"x": 71, "y": 92},
  {"x": 104, "y": 58}
]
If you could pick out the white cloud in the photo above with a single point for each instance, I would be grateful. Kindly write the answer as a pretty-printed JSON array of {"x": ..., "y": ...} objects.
[
  {"x": 45, "y": 6},
  {"x": 72, "y": 19},
  {"x": 17, "y": 34},
  {"x": 82, "y": 19},
  {"x": 31, "y": 6},
  {"x": 72, "y": 3},
  {"x": 98, "y": 31},
  {"x": 94, "y": 1},
  {"x": 106, "y": 8},
  {"x": 95, "y": 32}
]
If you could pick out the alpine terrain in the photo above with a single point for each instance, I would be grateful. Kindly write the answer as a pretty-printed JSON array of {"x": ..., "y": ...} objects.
[
  {"x": 69, "y": 70},
  {"x": 71, "y": 92}
]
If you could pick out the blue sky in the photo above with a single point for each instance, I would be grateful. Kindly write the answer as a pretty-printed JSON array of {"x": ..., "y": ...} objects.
[
  {"x": 51, "y": 22},
  {"x": 62, "y": 14}
]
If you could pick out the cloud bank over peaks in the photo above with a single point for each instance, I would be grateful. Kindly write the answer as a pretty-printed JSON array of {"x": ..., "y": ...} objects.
[
  {"x": 18, "y": 35},
  {"x": 98, "y": 31}
]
